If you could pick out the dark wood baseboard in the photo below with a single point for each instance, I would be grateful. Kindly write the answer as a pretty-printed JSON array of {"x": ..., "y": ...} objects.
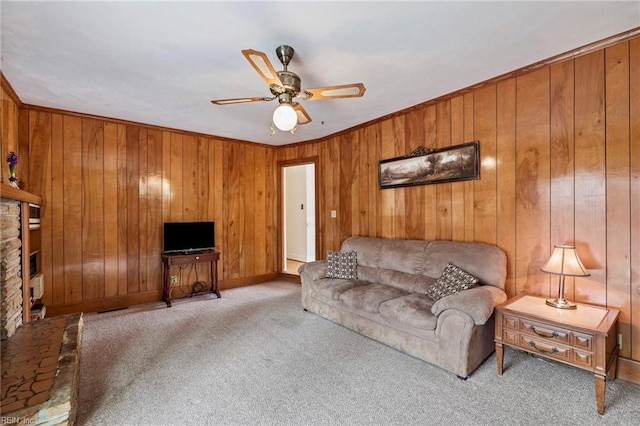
[
  {"x": 289, "y": 277},
  {"x": 241, "y": 282},
  {"x": 107, "y": 304},
  {"x": 629, "y": 370}
]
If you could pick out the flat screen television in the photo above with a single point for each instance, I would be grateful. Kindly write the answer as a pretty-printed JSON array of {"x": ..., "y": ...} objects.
[{"x": 188, "y": 237}]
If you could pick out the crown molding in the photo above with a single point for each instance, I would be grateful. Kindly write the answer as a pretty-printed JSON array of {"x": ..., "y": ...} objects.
[
  {"x": 135, "y": 123},
  {"x": 6, "y": 86}
]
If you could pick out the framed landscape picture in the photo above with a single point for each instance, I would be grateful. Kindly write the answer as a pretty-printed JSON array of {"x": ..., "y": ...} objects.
[{"x": 424, "y": 167}]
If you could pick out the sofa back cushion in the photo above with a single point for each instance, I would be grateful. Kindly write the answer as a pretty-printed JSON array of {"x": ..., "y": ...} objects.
[
  {"x": 485, "y": 261},
  {"x": 413, "y": 283},
  {"x": 388, "y": 253},
  {"x": 429, "y": 258}
]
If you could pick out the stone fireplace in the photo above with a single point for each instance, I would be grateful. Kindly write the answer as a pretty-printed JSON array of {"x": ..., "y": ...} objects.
[{"x": 11, "y": 292}]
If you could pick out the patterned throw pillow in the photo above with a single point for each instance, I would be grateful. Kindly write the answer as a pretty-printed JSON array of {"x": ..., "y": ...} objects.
[
  {"x": 342, "y": 264},
  {"x": 452, "y": 280}
]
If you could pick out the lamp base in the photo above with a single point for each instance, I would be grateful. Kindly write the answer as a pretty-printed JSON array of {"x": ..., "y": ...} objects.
[{"x": 561, "y": 304}]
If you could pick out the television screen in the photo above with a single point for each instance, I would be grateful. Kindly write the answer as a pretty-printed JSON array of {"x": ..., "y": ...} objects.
[{"x": 188, "y": 237}]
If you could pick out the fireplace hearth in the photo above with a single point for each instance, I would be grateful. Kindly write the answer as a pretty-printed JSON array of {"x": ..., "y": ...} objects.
[{"x": 40, "y": 372}]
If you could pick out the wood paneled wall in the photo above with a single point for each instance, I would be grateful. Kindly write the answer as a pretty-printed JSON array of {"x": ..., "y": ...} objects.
[
  {"x": 560, "y": 163},
  {"x": 107, "y": 188},
  {"x": 9, "y": 112}
]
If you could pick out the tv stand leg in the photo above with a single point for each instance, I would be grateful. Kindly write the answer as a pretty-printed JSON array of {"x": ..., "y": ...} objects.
[
  {"x": 214, "y": 278},
  {"x": 166, "y": 296},
  {"x": 166, "y": 290}
]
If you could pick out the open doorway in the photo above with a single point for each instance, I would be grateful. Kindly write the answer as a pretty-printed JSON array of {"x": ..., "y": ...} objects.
[{"x": 298, "y": 216}]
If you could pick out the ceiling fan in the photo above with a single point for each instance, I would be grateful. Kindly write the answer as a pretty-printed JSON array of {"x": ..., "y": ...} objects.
[{"x": 285, "y": 86}]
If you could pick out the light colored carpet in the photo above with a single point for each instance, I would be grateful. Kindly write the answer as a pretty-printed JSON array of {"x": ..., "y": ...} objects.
[{"x": 255, "y": 357}]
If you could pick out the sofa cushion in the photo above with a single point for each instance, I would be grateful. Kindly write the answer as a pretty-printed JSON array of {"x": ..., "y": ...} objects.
[
  {"x": 413, "y": 283},
  {"x": 369, "y": 297},
  {"x": 452, "y": 280},
  {"x": 332, "y": 288},
  {"x": 342, "y": 264},
  {"x": 413, "y": 310}
]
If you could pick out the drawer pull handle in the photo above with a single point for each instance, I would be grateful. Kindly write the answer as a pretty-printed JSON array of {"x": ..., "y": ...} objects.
[
  {"x": 552, "y": 351},
  {"x": 541, "y": 334}
]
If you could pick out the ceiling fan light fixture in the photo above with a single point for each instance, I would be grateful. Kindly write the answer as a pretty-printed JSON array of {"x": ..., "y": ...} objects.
[{"x": 285, "y": 117}]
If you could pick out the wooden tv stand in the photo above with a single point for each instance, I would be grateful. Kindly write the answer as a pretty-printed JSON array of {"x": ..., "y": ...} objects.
[{"x": 172, "y": 259}]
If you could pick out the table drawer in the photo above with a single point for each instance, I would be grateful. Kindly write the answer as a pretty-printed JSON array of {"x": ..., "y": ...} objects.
[
  {"x": 584, "y": 359},
  {"x": 510, "y": 322},
  {"x": 192, "y": 258},
  {"x": 544, "y": 347},
  {"x": 545, "y": 331},
  {"x": 510, "y": 337},
  {"x": 583, "y": 341}
]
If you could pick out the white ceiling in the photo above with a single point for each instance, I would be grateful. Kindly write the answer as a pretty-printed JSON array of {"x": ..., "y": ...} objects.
[{"x": 160, "y": 63}]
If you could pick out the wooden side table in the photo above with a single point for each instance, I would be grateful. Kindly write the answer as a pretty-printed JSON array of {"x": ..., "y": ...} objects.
[
  {"x": 169, "y": 260},
  {"x": 585, "y": 338}
]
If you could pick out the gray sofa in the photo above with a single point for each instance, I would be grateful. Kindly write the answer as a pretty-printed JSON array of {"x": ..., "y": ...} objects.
[{"x": 387, "y": 301}]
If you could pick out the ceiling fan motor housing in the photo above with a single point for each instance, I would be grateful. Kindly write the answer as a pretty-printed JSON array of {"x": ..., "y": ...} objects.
[{"x": 290, "y": 81}]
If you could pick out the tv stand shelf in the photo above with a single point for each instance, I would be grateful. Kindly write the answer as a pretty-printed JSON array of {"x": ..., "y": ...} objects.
[{"x": 175, "y": 259}]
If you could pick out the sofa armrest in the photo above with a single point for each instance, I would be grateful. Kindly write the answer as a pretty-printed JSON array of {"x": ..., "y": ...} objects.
[
  {"x": 478, "y": 302},
  {"x": 314, "y": 270}
]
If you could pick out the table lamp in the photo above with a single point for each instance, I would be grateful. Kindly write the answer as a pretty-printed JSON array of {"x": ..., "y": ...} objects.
[{"x": 564, "y": 261}]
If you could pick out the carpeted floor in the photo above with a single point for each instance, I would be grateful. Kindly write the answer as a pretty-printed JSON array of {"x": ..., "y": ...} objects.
[{"x": 254, "y": 357}]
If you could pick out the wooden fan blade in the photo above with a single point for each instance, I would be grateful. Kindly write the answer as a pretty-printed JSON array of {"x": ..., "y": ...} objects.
[
  {"x": 261, "y": 64},
  {"x": 238, "y": 100},
  {"x": 303, "y": 117},
  {"x": 334, "y": 92}
]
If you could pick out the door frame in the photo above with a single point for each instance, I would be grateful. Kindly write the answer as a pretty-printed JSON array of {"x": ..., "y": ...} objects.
[{"x": 281, "y": 225}]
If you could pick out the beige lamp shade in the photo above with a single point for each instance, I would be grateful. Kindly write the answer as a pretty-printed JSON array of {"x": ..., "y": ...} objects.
[{"x": 565, "y": 261}]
